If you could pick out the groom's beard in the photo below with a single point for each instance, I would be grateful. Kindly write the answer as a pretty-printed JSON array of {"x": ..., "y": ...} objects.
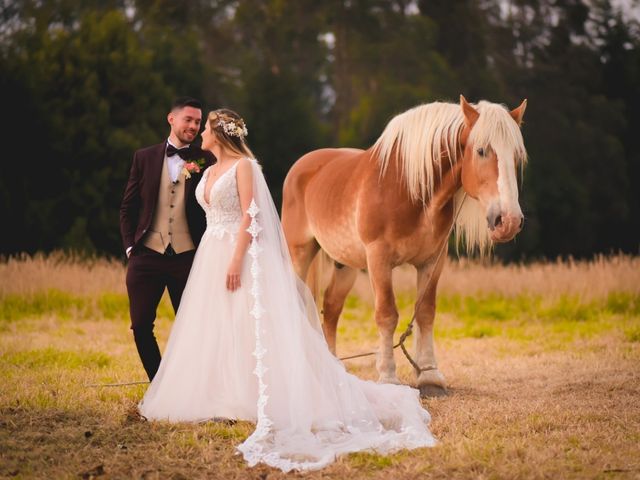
[{"x": 187, "y": 136}]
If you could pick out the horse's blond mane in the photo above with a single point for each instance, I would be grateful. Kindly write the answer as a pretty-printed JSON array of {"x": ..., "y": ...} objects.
[
  {"x": 420, "y": 136},
  {"x": 424, "y": 134}
]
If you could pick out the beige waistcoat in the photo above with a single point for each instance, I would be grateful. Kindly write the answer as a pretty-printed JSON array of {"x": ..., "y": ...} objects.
[{"x": 169, "y": 224}]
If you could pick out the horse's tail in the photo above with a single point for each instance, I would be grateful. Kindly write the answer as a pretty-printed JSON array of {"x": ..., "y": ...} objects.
[{"x": 318, "y": 268}]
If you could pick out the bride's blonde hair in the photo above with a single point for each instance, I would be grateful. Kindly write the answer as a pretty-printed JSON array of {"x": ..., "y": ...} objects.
[{"x": 231, "y": 131}]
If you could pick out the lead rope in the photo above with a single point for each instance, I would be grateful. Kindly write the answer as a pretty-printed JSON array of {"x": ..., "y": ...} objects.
[
  {"x": 423, "y": 291},
  {"x": 124, "y": 384}
]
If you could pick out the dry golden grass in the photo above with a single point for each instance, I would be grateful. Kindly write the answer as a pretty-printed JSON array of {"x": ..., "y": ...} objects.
[
  {"x": 587, "y": 280},
  {"x": 548, "y": 389},
  {"x": 29, "y": 274}
]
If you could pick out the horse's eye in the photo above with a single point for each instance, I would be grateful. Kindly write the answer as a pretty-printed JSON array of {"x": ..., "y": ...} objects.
[{"x": 481, "y": 152}]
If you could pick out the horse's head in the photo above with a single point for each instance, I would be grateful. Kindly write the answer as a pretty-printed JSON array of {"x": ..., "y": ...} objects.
[{"x": 493, "y": 150}]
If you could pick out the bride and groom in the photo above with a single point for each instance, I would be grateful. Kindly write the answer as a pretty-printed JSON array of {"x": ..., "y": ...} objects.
[{"x": 246, "y": 343}]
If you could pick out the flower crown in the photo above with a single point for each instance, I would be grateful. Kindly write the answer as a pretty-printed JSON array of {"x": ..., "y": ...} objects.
[{"x": 232, "y": 127}]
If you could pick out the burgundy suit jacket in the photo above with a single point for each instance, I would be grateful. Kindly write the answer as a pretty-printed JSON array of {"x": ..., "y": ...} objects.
[{"x": 141, "y": 195}]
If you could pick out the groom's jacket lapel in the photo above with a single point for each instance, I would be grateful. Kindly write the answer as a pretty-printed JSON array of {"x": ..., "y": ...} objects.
[
  {"x": 152, "y": 159},
  {"x": 141, "y": 194}
]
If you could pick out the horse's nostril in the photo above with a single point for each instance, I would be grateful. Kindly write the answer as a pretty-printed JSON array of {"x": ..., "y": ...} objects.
[
  {"x": 521, "y": 222},
  {"x": 498, "y": 221}
]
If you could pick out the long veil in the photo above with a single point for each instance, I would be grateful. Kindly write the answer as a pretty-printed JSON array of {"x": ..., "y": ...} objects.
[{"x": 309, "y": 408}]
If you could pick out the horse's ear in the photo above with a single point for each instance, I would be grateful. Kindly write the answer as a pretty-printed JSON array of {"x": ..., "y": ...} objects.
[
  {"x": 470, "y": 114},
  {"x": 518, "y": 113}
]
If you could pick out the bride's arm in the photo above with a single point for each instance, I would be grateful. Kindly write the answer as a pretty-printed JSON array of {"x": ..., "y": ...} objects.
[{"x": 244, "y": 176}]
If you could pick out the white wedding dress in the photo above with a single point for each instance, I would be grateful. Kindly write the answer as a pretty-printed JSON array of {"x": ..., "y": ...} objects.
[{"x": 259, "y": 354}]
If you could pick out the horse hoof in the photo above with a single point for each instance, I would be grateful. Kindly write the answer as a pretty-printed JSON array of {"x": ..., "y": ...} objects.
[
  {"x": 432, "y": 391},
  {"x": 392, "y": 380}
]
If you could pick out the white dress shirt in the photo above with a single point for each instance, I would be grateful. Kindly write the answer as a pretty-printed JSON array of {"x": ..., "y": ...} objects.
[{"x": 174, "y": 164}]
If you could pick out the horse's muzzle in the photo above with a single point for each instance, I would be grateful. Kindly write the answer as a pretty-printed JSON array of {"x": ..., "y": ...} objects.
[{"x": 504, "y": 227}]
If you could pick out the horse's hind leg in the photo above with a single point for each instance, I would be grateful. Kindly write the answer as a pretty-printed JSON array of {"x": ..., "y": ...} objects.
[
  {"x": 302, "y": 255},
  {"x": 342, "y": 279},
  {"x": 303, "y": 247}
]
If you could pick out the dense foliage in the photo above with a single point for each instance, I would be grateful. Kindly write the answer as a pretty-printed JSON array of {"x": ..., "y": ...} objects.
[{"x": 85, "y": 83}]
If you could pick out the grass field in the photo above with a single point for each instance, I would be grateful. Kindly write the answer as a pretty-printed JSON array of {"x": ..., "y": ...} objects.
[{"x": 542, "y": 363}]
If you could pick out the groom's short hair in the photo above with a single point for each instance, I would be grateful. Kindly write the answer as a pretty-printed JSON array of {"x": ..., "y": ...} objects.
[{"x": 181, "y": 102}]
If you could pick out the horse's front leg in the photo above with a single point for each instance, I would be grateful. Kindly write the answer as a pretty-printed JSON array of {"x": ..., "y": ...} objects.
[
  {"x": 386, "y": 313},
  {"x": 430, "y": 381}
]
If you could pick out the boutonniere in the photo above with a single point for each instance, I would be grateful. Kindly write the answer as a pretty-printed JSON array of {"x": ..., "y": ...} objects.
[{"x": 192, "y": 166}]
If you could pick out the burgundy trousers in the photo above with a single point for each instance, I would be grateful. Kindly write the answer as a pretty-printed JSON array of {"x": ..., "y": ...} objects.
[{"x": 148, "y": 274}]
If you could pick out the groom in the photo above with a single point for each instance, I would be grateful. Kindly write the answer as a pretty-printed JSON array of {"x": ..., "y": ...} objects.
[{"x": 161, "y": 223}]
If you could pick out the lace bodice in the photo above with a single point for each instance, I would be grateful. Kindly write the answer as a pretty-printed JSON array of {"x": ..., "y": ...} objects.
[{"x": 224, "y": 212}]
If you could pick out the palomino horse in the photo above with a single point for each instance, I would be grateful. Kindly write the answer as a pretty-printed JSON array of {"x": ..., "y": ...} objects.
[{"x": 394, "y": 204}]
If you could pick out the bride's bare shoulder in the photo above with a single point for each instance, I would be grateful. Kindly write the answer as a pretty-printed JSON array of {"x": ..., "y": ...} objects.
[
  {"x": 244, "y": 165},
  {"x": 244, "y": 171}
]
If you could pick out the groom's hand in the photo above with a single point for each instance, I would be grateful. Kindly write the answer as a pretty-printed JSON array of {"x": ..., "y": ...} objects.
[{"x": 233, "y": 275}]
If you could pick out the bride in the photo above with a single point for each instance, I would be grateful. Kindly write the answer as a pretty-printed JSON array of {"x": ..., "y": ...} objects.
[{"x": 247, "y": 344}]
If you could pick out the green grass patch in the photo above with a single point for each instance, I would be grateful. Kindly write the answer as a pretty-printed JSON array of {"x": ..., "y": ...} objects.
[
  {"x": 623, "y": 303},
  {"x": 14, "y": 307},
  {"x": 489, "y": 307},
  {"x": 65, "y": 306},
  {"x": 237, "y": 433},
  {"x": 482, "y": 331},
  {"x": 369, "y": 461},
  {"x": 524, "y": 318},
  {"x": 495, "y": 307},
  {"x": 54, "y": 358},
  {"x": 352, "y": 303},
  {"x": 572, "y": 309},
  {"x": 359, "y": 314},
  {"x": 113, "y": 305},
  {"x": 632, "y": 334}
]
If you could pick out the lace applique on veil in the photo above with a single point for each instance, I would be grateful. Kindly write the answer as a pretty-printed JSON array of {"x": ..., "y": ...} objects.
[{"x": 252, "y": 449}]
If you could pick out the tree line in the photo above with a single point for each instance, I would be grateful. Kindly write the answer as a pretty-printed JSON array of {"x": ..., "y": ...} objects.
[{"x": 85, "y": 83}]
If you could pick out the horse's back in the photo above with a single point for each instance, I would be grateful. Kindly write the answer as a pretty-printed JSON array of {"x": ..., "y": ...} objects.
[
  {"x": 315, "y": 182},
  {"x": 319, "y": 201},
  {"x": 306, "y": 168},
  {"x": 311, "y": 163}
]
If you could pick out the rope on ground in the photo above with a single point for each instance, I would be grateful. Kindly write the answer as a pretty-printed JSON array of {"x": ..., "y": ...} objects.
[{"x": 124, "y": 384}]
